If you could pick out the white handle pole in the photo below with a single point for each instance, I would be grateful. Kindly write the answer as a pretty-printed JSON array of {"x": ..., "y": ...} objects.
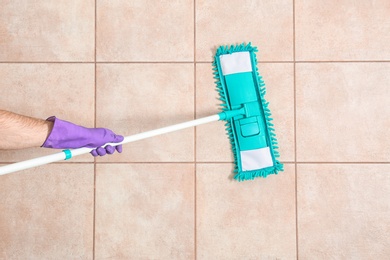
[{"x": 74, "y": 152}]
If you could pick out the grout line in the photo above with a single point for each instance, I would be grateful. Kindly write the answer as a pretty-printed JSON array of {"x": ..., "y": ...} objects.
[
  {"x": 95, "y": 164},
  {"x": 195, "y": 212},
  {"x": 195, "y": 140},
  {"x": 62, "y": 162},
  {"x": 359, "y": 162},
  {"x": 295, "y": 138},
  {"x": 288, "y": 62},
  {"x": 343, "y": 61},
  {"x": 96, "y": 62},
  {"x": 195, "y": 163},
  {"x": 94, "y": 211},
  {"x": 49, "y": 62},
  {"x": 319, "y": 61},
  {"x": 184, "y": 62},
  {"x": 186, "y": 162},
  {"x": 145, "y": 62},
  {"x": 206, "y": 162},
  {"x": 315, "y": 61}
]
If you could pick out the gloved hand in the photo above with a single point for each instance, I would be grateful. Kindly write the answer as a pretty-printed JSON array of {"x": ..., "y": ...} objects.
[{"x": 66, "y": 135}]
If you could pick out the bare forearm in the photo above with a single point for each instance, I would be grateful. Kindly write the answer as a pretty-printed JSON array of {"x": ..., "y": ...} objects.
[{"x": 17, "y": 131}]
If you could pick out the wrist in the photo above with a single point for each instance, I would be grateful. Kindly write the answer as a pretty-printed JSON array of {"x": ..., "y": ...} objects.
[{"x": 48, "y": 127}]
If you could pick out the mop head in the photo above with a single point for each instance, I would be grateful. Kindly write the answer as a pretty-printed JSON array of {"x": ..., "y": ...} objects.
[{"x": 251, "y": 133}]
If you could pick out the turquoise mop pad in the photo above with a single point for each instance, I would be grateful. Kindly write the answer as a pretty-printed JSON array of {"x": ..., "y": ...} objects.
[{"x": 251, "y": 132}]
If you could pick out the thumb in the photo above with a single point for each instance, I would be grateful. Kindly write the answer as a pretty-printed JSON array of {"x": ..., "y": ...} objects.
[
  {"x": 117, "y": 138},
  {"x": 109, "y": 136}
]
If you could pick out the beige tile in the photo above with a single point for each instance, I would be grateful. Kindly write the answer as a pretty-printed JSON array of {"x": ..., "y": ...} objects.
[
  {"x": 212, "y": 142},
  {"x": 245, "y": 220},
  {"x": 47, "y": 213},
  {"x": 43, "y": 90},
  {"x": 267, "y": 24},
  {"x": 339, "y": 30},
  {"x": 343, "y": 112},
  {"x": 38, "y": 30},
  {"x": 279, "y": 81},
  {"x": 133, "y": 98},
  {"x": 145, "y": 30},
  {"x": 349, "y": 206},
  {"x": 144, "y": 211}
]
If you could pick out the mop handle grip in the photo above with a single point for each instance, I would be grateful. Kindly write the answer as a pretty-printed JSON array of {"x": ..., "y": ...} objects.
[{"x": 69, "y": 153}]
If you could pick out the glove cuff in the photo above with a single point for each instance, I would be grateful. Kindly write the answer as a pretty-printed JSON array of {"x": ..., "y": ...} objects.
[
  {"x": 49, "y": 142},
  {"x": 63, "y": 135}
]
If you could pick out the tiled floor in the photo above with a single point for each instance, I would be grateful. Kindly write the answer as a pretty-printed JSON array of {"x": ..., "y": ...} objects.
[{"x": 138, "y": 65}]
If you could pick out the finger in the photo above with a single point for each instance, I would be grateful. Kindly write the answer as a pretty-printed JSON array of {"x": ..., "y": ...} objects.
[
  {"x": 101, "y": 151},
  {"x": 94, "y": 153},
  {"x": 110, "y": 149},
  {"x": 119, "y": 148}
]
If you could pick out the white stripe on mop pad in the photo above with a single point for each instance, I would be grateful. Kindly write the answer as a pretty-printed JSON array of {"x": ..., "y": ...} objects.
[
  {"x": 256, "y": 159},
  {"x": 235, "y": 63}
]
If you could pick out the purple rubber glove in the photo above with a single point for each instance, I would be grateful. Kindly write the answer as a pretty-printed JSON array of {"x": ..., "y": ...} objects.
[{"x": 66, "y": 135}]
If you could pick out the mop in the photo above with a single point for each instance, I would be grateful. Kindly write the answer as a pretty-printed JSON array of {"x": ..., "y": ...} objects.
[
  {"x": 244, "y": 108},
  {"x": 251, "y": 133}
]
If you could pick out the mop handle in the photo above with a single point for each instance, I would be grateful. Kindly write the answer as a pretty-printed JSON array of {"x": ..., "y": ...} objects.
[{"x": 67, "y": 154}]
